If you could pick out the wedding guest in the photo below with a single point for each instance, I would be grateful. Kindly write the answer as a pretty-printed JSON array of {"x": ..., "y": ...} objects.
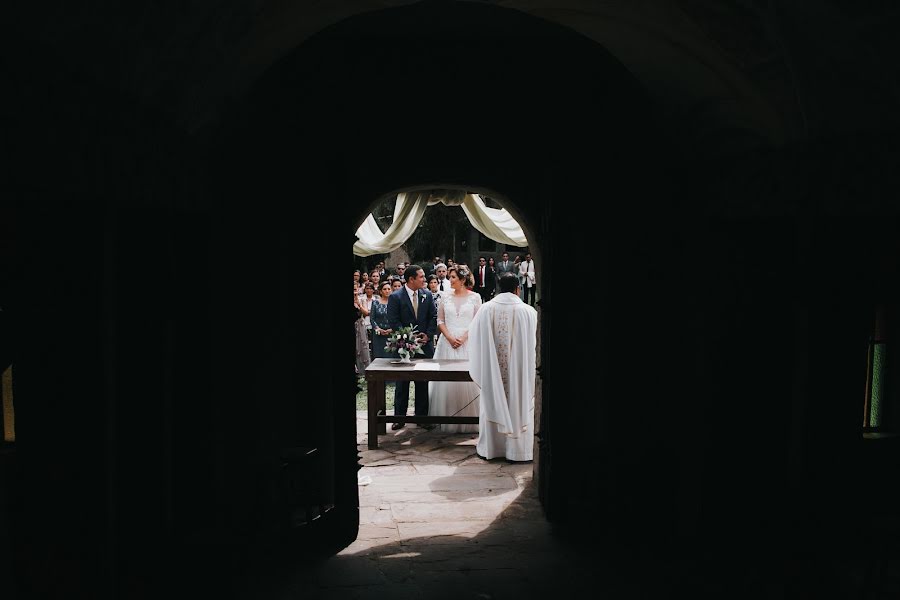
[
  {"x": 505, "y": 266},
  {"x": 433, "y": 288},
  {"x": 517, "y": 264},
  {"x": 381, "y": 270},
  {"x": 363, "y": 359},
  {"x": 366, "y": 303},
  {"x": 441, "y": 271},
  {"x": 502, "y": 362},
  {"x": 380, "y": 327},
  {"x": 401, "y": 269},
  {"x": 484, "y": 279},
  {"x": 396, "y": 283},
  {"x": 433, "y": 285},
  {"x": 492, "y": 265},
  {"x": 431, "y": 267},
  {"x": 527, "y": 279}
]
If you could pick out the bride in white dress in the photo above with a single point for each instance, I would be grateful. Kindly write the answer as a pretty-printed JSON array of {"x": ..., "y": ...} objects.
[{"x": 455, "y": 314}]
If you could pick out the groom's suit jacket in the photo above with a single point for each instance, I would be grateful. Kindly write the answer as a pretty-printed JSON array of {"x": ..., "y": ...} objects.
[{"x": 400, "y": 314}]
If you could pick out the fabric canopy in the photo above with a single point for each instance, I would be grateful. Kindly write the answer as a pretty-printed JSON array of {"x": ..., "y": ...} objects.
[{"x": 495, "y": 223}]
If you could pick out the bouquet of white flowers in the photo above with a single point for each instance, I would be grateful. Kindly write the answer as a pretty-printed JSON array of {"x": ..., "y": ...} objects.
[{"x": 404, "y": 342}]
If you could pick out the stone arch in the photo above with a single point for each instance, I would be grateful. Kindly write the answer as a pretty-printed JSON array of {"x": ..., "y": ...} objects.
[
  {"x": 359, "y": 115},
  {"x": 135, "y": 193},
  {"x": 667, "y": 53}
]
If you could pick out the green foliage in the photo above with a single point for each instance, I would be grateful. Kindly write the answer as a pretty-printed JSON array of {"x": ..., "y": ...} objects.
[
  {"x": 362, "y": 397},
  {"x": 434, "y": 236}
]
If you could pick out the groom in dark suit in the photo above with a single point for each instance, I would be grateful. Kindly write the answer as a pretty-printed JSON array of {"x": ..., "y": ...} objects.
[{"x": 413, "y": 305}]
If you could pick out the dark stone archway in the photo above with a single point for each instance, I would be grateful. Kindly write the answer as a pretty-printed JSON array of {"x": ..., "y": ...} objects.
[
  {"x": 163, "y": 278},
  {"x": 477, "y": 96}
]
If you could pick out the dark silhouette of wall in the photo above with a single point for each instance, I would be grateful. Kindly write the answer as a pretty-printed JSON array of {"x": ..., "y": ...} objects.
[{"x": 178, "y": 328}]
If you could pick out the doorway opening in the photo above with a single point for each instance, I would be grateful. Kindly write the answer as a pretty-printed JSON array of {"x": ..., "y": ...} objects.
[{"x": 428, "y": 479}]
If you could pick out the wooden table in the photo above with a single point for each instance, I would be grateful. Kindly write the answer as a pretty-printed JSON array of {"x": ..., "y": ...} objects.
[{"x": 383, "y": 370}]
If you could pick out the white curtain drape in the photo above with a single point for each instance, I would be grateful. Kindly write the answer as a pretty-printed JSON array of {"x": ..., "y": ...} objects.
[{"x": 495, "y": 223}]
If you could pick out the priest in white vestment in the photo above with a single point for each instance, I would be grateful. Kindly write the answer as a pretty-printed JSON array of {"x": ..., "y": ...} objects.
[{"x": 502, "y": 361}]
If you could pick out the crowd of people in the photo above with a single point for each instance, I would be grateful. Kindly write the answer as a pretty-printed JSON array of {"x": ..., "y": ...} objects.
[{"x": 443, "y": 300}]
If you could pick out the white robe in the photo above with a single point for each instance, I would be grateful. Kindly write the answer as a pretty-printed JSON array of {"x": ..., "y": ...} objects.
[{"x": 502, "y": 357}]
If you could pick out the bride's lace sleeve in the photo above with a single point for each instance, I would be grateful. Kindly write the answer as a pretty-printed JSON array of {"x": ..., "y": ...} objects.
[
  {"x": 477, "y": 304},
  {"x": 440, "y": 317}
]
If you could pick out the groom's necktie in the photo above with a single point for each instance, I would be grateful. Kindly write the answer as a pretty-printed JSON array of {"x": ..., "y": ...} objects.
[{"x": 416, "y": 304}]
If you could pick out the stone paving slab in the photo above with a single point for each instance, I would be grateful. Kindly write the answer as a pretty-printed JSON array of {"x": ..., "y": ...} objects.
[
  {"x": 371, "y": 547},
  {"x": 384, "y": 462},
  {"x": 444, "y": 532},
  {"x": 371, "y": 531},
  {"x": 416, "y": 458},
  {"x": 435, "y": 470},
  {"x": 368, "y": 456},
  {"x": 478, "y": 467},
  {"x": 375, "y": 515},
  {"x": 425, "y": 512},
  {"x": 395, "y": 469},
  {"x": 377, "y": 498},
  {"x": 449, "y": 455},
  {"x": 476, "y": 484}
]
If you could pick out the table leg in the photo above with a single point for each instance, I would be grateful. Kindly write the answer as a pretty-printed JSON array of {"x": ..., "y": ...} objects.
[
  {"x": 382, "y": 405},
  {"x": 375, "y": 396}
]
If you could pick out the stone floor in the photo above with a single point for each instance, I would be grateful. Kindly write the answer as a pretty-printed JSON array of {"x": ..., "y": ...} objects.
[
  {"x": 436, "y": 518},
  {"x": 438, "y": 522}
]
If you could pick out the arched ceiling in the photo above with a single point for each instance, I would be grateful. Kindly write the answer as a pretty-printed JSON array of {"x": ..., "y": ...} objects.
[
  {"x": 659, "y": 43},
  {"x": 769, "y": 69}
]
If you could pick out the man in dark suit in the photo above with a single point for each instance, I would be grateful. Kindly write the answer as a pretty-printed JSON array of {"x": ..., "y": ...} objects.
[
  {"x": 484, "y": 279},
  {"x": 432, "y": 267},
  {"x": 413, "y": 305},
  {"x": 400, "y": 270},
  {"x": 382, "y": 271},
  {"x": 504, "y": 265},
  {"x": 440, "y": 270}
]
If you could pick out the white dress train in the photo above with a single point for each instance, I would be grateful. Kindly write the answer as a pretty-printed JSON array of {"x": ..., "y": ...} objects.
[{"x": 455, "y": 398}]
